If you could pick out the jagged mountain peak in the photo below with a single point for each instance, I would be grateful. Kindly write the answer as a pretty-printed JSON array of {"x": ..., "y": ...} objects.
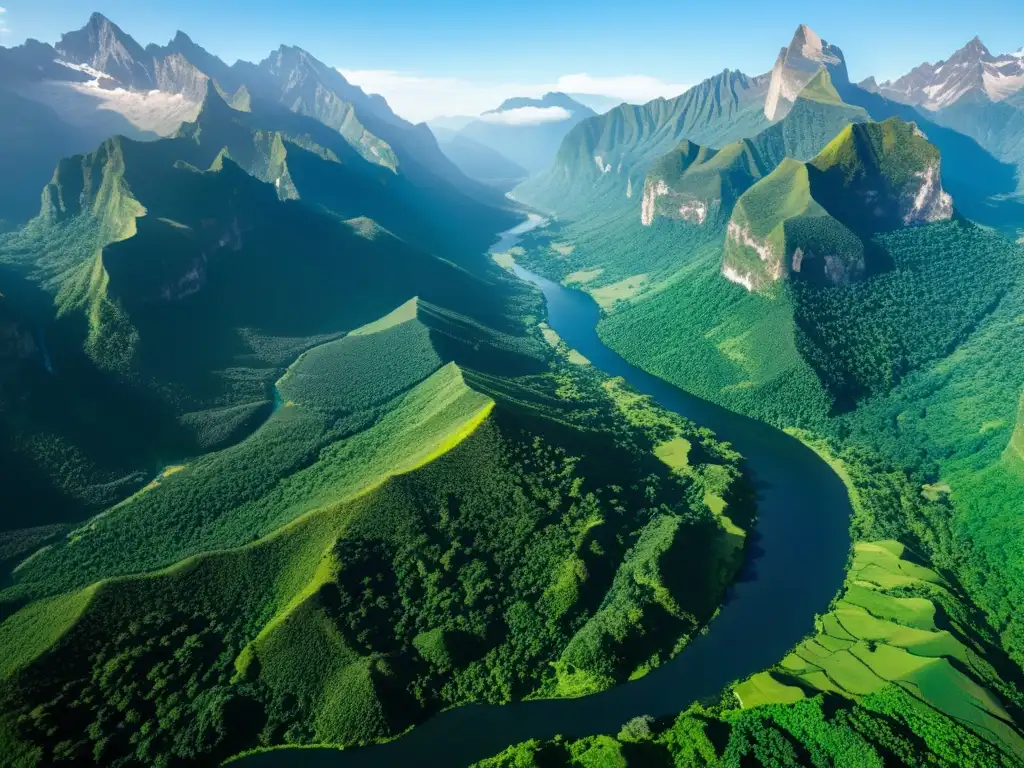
[
  {"x": 105, "y": 47},
  {"x": 971, "y": 71},
  {"x": 797, "y": 65}
]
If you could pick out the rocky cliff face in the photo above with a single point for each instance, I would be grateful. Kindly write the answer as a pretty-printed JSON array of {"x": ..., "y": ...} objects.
[
  {"x": 796, "y": 66},
  {"x": 814, "y": 221},
  {"x": 101, "y": 45},
  {"x": 175, "y": 74}
]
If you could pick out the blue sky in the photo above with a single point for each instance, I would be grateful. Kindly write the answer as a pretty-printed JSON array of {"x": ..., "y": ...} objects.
[{"x": 429, "y": 49}]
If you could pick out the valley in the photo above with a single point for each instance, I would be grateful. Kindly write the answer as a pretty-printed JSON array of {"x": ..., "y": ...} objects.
[{"x": 562, "y": 428}]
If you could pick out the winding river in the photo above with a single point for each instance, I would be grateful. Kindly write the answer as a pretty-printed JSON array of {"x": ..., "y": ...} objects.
[{"x": 795, "y": 565}]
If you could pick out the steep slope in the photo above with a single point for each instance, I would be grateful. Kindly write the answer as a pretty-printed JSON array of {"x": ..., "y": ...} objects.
[
  {"x": 294, "y": 78},
  {"x": 103, "y": 83},
  {"x": 606, "y": 158},
  {"x": 694, "y": 183},
  {"x": 528, "y": 131},
  {"x": 970, "y": 72},
  {"x": 812, "y": 219},
  {"x": 796, "y": 66},
  {"x": 456, "y": 521},
  {"x": 601, "y": 156},
  {"x": 143, "y": 252}
]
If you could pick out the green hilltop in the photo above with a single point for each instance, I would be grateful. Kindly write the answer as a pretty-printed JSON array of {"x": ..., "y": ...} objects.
[
  {"x": 434, "y": 515},
  {"x": 810, "y": 219},
  {"x": 242, "y": 231}
]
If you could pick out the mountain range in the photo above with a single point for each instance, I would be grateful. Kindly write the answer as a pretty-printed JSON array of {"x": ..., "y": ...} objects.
[
  {"x": 292, "y": 456},
  {"x": 98, "y": 81}
]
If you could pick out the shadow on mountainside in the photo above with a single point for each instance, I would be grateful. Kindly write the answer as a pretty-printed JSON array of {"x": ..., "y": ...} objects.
[{"x": 983, "y": 187}]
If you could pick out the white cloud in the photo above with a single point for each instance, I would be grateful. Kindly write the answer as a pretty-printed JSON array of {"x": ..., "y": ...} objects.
[
  {"x": 528, "y": 116},
  {"x": 418, "y": 97},
  {"x": 634, "y": 89}
]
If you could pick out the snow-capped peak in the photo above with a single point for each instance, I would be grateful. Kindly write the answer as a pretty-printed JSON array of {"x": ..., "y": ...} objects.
[{"x": 971, "y": 70}]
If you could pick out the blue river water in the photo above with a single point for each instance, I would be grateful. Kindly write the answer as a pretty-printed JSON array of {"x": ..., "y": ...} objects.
[{"x": 795, "y": 565}]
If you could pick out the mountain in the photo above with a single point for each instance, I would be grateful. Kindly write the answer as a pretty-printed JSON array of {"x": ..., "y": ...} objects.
[
  {"x": 694, "y": 182},
  {"x": 796, "y": 66},
  {"x": 977, "y": 95},
  {"x": 424, "y": 441},
  {"x": 138, "y": 240},
  {"x": 597, "y": 102},
  {"x": 608, "y": 156},
  {"x": 812, "y": 220},
  {"x": 972, "y": 70},
  {"x": 102, "y": 83},
  {"x": 479, "y": 161},
  {"x": 528, "y": 131}
]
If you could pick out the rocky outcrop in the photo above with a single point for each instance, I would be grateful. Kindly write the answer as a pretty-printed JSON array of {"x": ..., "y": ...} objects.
[
  {"x": 101, "y": 45},
  {"x": 796, "y": 66},
  {"x": 175, "y": 74},
  {"x": 652, "y": 191},
  {"x": 930, "y": 202}
]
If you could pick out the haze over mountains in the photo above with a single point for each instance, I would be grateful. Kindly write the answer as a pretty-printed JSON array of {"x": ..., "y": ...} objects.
[
  {"x": 98, "y": 82},
  {"x": 291, "y": 456}
]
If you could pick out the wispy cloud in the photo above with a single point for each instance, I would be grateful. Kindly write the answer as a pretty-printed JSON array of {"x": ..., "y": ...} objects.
[
  {"x": 528, "y": 116},
  {"x": 419, "y": 97}
]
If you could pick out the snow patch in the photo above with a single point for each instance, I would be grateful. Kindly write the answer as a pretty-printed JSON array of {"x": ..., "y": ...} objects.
[
  {"x": 629, "y": 188},
  {"x": 601, "y": 164},
  {"x": 1000, "y": 86},
  {"x": 90, "y": 105}
]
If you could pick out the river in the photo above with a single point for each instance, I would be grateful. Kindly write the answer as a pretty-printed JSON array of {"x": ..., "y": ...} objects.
[{"x": 795, "y": 565}]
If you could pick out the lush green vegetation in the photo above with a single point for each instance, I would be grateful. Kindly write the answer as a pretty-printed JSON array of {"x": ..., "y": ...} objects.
[
  {"x": 881, "y": 729},
  {"x": 437, "y": 513},
  {"x": 136, "y": 254},
  {"x": 909, "y": 378}
]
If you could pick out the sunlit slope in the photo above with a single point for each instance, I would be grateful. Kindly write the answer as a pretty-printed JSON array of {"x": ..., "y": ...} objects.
[
  {"x": 142, "y": 248},
  {"x": 811, "y": 220},
  {"x": 435, "y": 505},
  {"x": 746, "y": 150}
]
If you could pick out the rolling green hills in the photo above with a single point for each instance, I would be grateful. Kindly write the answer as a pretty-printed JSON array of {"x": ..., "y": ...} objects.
[{"x": 439, "y": 512}]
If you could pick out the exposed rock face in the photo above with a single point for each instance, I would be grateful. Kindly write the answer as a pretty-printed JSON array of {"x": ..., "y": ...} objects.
[
  {"x": 733, "y": 276},
  {"x": 931, "y": 202},
  {"x": 652, "y": 191},
  {"x": 174, "y": 74},
  {"x": 971, "y": 70},
  {"x": 771, "y": 260},
  {"x": 695, "y": 211},
  {"x": 796, "y": 67},
  {"x": 102, "y": 45}
]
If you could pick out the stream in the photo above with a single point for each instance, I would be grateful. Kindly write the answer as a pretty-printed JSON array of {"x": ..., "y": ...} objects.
[{"x": 795, "y": 564}]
